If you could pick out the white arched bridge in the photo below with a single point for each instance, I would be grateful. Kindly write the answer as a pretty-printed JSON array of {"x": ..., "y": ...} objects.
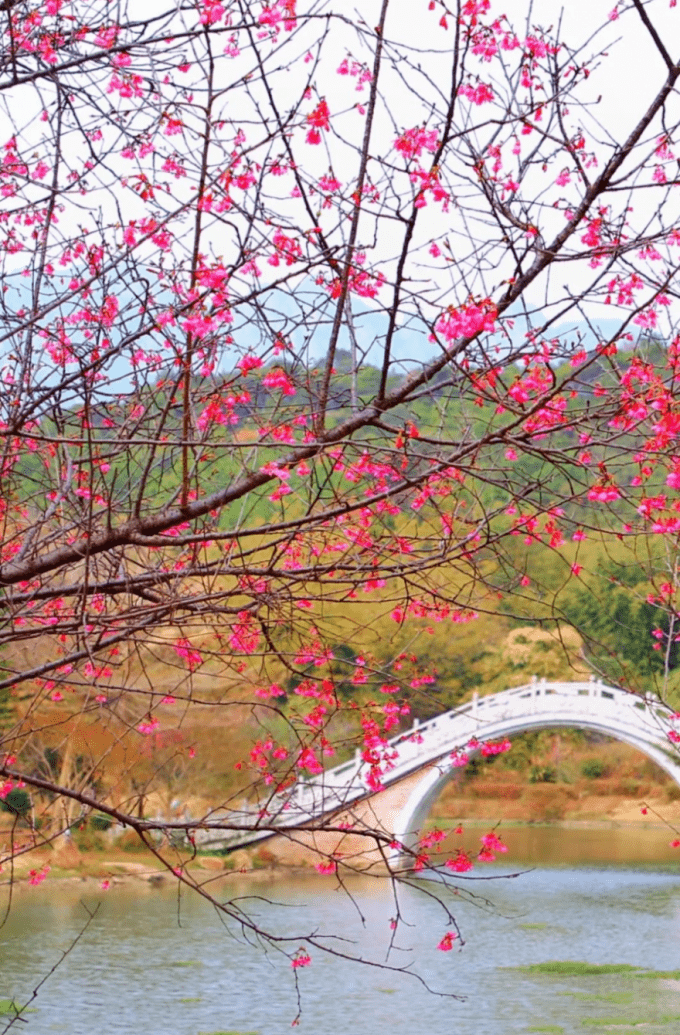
[{"x": 417, "y": 763}]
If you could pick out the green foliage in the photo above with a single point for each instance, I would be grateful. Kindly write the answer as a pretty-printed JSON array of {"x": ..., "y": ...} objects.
[
  {"x": 99, "y": 821},
  {"x": 343, "y": 664},
  {"x": 593, "y": 769},
  {"x": 52, "y": 760},
  {"x": 577, "y": 968},
  {"x": 87, "y": 840},
  {"x": 618, "y": 624},
  {"x": 17, "y": 802},
  {"x": 6, "y": 709},
  {"x": 665, "y": 975},
  {"x": 478, "y": 766},
  {"x": 608, "y": 1022},
  {"x": 8, "y": 1007},
  {"x": 543, "y": 774},
  {"x": 607, "y": 997}
]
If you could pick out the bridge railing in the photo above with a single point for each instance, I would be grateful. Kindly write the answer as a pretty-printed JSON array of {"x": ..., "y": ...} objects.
[
  {"x": 347, "y": 781},
  {"x": 426, "y": 741}
]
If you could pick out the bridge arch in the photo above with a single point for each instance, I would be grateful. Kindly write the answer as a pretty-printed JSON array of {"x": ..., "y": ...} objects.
[
  {"x": 412, "y": 816},
  {"x": 419, "y": 762},
  {"x": 430, "y": 748}
]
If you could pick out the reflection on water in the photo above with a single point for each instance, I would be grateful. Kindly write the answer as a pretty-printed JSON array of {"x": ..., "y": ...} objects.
[
  {"x": 567, "y": 846},
  {"x": 152, "y": 966}
]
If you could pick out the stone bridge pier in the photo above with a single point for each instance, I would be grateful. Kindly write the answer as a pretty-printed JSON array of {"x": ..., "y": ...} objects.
[{"x": 378, "y": 814}]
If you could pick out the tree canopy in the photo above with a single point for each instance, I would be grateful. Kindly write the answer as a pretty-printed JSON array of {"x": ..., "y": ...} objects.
[{"x": 317, "y": 331}]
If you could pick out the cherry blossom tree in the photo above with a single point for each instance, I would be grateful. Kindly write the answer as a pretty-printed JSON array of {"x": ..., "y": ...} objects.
[{"x": 306, "y": 309}]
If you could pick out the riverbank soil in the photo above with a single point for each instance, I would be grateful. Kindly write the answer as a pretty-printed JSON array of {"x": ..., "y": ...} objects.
[
  {"x": 125, "y": 865},
  {"x": 551, "y": 777}
]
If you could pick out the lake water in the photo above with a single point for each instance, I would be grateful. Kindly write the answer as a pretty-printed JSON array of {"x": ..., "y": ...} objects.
[{"x": 152, "y": 965}]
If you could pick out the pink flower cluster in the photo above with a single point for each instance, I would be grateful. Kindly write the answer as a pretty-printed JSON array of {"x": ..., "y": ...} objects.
[
  {"x": 280, "y": 11},
  {"x": 479, "y": 94},
  {"x": 604, "y": 493},
  {"x": 36, "y": 877},
  {"x": 245, "y": 634},
  {"x": 495, "y": 747},
  {"x": 491, "y": 844},
  {"x": 184, "y": 649},
  {"x": 279, "y": 379},
  {"x": 467, "y": 321},
  {"x": 149, "y": 726},
  {"x": 460, "y": 864},
  {"x": 318, "y": 119},
  {"x": 412, "y": 142}
]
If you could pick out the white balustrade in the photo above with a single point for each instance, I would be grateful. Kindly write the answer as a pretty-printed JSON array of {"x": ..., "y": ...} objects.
[{"x": 586, "y": 704}]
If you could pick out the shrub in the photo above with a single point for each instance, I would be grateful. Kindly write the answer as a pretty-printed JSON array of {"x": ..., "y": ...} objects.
[
  {"x": 543, "y": 774},
  {"x": 593, "y": 769},
  {"x": 99, "y": 821},
  {"x": 17, "y": 802},
  {"x": 632, "y": 788},
  {"x": 87, "y": 840},
  {"x": 264, "y": 859}
]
